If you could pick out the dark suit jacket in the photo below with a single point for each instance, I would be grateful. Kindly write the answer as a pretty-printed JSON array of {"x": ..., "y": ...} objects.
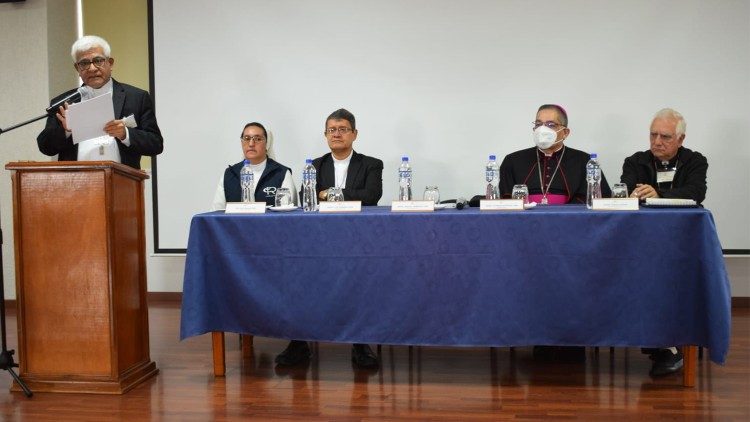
[
  {"x": 145, "y": 139},
  {"x": 689, "y": 180},
  {"x": 364, "y": 177}
]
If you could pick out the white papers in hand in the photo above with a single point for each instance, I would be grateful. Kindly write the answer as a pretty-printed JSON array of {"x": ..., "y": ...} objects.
[{"x": 87, "y": 119}]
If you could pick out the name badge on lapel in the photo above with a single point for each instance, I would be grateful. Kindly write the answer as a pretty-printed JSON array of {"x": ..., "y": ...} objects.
[{"x": 665, "y": 176}]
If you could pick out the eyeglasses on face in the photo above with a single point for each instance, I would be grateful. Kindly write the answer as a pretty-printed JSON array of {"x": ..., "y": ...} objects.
[
  {"x": 342, "y": 130},
  {"x": 84, "y": 64},
  {"x": 665, "y": 137},
  {"x": 257, "y": 139},
  {"x": 550, "y": 124}
]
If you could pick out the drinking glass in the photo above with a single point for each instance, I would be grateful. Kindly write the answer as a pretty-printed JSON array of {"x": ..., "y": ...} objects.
[
  {"x": 521, "y": 192},
  {"x": 619, "y": 190},
  {"x": 283, "y": 197},
  {"x": 335, "y": 194},
  {"x": 431, "y": 193}
]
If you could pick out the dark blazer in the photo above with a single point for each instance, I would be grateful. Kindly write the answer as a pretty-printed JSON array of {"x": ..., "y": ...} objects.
[
  {"x": 689, "y": 179},
  {"x": 364, "y": 177},
  {"x": 145, "y": 139}
]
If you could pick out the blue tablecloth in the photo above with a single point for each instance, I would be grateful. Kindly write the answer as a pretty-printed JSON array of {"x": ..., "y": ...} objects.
[{"x": 557, "y": 275}]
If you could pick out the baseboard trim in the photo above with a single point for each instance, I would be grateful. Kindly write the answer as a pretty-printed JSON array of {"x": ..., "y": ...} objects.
[
  {"x": 152, "y": 297},
  {"x": 165, "y": 297},
  {"x": 176, "y": 298}
]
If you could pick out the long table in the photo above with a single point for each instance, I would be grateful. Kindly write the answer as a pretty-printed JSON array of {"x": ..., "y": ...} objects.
[{"x": 554, "y": 275}]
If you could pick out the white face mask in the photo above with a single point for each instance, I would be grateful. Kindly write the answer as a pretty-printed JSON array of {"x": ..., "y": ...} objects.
[{"x": 545, "y": 137}]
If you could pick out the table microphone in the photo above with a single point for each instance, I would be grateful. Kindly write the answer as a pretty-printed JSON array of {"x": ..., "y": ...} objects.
[{"x": 462, "y": 203}]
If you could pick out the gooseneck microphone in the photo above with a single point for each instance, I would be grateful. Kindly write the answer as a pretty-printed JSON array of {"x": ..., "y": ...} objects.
[
  {"x": 70, "y": 99},
  {"x": 50, "y": 111}
]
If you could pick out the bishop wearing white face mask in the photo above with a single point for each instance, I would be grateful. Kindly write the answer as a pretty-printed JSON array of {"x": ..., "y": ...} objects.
[{"x": 554, "y": 173}]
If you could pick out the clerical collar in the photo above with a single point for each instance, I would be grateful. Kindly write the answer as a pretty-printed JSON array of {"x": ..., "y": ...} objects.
[
  {"x": 89, "y": 92},
  {"x": 555, "y": 154},
  {"x": 345, "y": 160},
  {"x": 665, "y": 164}
]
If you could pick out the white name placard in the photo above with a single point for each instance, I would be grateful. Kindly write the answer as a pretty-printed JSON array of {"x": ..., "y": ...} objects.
[
  {"x": 245, "y": 208},
  {"x": 340, "y": 206},
  {"x": 615, "y": 204},
  {"x": 501, "y": 205},
  {"x": 412, "y": 206}
]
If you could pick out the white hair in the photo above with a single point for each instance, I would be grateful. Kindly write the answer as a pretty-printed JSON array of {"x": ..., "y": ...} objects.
[
  {"x": 669, "y": 114},
  {"x": 87, "y": 42}
]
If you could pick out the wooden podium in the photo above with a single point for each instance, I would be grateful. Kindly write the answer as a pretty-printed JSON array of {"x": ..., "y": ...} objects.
[{"x": 80, "y": 276}]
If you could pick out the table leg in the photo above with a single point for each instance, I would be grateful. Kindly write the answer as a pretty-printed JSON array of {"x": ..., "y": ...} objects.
[
  {"x": 217, "y": 338},
  {"x": 246, "y": 345},
  {"x": 690, "y": 356}
]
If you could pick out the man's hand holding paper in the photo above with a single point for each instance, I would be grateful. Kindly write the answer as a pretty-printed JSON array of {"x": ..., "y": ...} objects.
[{"x": 93, "y": 118}]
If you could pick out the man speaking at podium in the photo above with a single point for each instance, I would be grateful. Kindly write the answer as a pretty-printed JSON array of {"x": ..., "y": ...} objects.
[{"x": 132, "y": 134}]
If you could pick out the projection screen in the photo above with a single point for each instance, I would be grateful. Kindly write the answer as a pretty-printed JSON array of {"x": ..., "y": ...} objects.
[{"x": 446, "y": 83}]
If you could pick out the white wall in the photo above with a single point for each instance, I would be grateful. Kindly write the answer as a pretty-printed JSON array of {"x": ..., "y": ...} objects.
[
  {"x": 32, "y": 70},
  {"x": 739, "y": 275},
  {"x": 447, "y": 83},
  {"x": 164, "y": 271}
]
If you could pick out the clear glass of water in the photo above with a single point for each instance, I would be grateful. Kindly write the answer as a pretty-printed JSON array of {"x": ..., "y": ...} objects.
[
  {"x": 521, "y": 192},
  {"x": 431, "y": 193},
  {"x": 619, "y": 190},
  {"x": 335, "y": 194},
  {"x": 283, "y": 197}
]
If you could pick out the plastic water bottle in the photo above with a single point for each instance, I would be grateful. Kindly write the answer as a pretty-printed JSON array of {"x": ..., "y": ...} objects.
[
  {"x": 247, "y": 183},
  {"x": 309, "y": 192},
  {"x": 593, "y": 180},
  {"x": 492, "y": 176},
  {"x": 404, "y": 180}
]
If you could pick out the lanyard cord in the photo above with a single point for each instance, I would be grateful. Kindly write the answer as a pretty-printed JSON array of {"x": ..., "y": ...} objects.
[{"x": 656, "y": 170}]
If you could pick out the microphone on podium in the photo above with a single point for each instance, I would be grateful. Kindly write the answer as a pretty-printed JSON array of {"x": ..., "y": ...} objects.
[{"x": 70, "y": 99}]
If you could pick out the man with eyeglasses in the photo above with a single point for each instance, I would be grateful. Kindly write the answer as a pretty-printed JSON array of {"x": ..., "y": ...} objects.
[
  {"x": 133, "y": 133},
  {"x": 361, "y": 179},
  {"x": 554, "y": 173},
  {"x": 360, "y": 176},
  {"x": 666, "y": 170},
  {"x": 268, "y": 174}
]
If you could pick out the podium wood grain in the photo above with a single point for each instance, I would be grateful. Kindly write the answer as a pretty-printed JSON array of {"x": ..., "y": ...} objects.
[{"x": 81, "y": 276}]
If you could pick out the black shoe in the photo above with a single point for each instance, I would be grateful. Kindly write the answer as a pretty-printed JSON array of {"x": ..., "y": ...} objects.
[
  {"x": 665, "y": 363},
  {"x": 650, "y": 351},
  {"x": 363, "y": 356},
  {"x": 544, "y": 353},
  {"x": 296, "y": 352},
  {"x": 563, "y": 354},
  {"x": 571, "y": 354}
]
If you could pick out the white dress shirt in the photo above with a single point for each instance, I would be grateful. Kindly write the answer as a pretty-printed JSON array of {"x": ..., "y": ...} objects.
[
  {"x": 103, "y": 148},
  {"x": 340, "y": 168}
]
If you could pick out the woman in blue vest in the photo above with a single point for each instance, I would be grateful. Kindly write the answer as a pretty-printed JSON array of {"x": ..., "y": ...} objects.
[{"x": 269, "y": 175}]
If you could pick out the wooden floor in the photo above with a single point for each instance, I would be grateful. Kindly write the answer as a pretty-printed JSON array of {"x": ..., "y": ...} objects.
[{"x": 420, "y": 383}]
